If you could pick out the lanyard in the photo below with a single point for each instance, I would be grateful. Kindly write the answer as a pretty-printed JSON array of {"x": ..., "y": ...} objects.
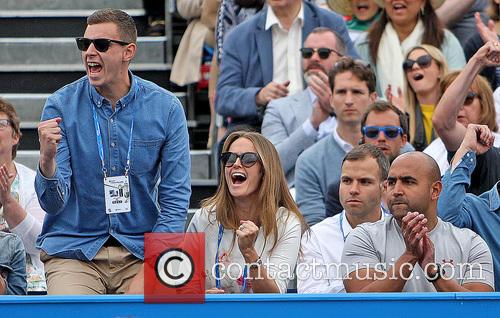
[
  {"x": 217, "y": 265},
  {"x": 340, "y": 225},
  {"x": 101, "y": 148}
]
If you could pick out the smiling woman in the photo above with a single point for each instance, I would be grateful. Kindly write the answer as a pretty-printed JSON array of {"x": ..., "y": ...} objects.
[{"x": 252, "y": 225}]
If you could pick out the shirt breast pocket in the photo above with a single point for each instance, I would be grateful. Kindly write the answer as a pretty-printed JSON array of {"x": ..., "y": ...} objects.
[{"x": 144, "y": 156}]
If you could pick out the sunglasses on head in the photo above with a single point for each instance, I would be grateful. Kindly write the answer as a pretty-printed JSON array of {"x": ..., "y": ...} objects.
[
  {"x": 323, "y": 52},
  {"x": 101, "y": 45},
  {"x": 423, "y": 61},
  {"x": 390, "y": 132},
  {"x": 470, "y": 98},
  {"x": 247, "y": 159}
]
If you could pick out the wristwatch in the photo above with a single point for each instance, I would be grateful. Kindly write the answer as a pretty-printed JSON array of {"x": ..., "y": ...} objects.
[
  {"x": 439, "y": 274},
  {"x": 256, "y": 264}
]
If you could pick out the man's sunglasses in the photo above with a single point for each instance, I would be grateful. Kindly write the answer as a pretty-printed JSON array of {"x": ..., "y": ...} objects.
[
  {"x": 390, "y": 132},
  {"x": 323, "y": 52},
  {"x": 423, "y": 61},
  {"x": 247, "y": 159},
  {"x": 470, "y": 98},
  {"x": 101, "y": 45}
]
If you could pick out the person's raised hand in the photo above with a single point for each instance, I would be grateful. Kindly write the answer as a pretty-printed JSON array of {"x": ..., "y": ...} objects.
[
  {"x": 271, "y": 91},
  {"x": 49, "y": 134}
]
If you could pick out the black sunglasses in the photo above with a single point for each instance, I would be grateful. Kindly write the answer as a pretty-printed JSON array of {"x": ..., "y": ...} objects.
[
  {"x": 247, "y": 159},
  {"x": 423, "y": 61},
  {"x": 101, "y": 45},
  {"x": 323, "y": 52},
  {"x": 390, "y": 132},
  {"x": 470, "y": 98}
]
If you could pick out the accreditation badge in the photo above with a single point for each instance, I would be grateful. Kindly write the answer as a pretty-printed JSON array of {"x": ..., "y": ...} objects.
[{"x": 117, "y": 194}]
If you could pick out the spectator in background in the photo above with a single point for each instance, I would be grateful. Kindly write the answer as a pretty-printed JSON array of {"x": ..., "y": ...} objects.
[
  {"x": 20, "y": 212},
  {"x": 296, "y": 122},
  {"x": 201, "y": 15},
  {"x": 479, "y": 213},
  {"x": 384, "y": 126},
  {"x": 360, "y": 14},
  {"x": 353, "y": 90},
  {"x": 424, "y": 67},
  {"x": 92, "y": 243},
  {"x": 261, "y": 60},
  {"x": 364, "y": 170},
  {"x": 401, "y": 26},
  {"x": 413, "y": 250},
  {"x": 12, "y": 265},
  {"x": 469, "y": 99},
  {"x": 251, "y": 221}
]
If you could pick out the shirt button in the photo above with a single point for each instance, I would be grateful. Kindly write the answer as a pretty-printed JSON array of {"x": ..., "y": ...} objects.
[
  {"x": 112, "y": 120},
  {"x": 113, "y": 168},
  {"x": 113, "y": 144}
]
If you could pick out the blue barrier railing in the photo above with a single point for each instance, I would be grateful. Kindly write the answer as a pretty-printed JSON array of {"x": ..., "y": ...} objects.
[{"x": 407, "y": 305}]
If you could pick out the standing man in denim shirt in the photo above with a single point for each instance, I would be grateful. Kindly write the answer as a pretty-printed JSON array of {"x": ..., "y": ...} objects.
[
  {"x": 478, "y": 213},
  {"x": 105, "y": 140}
]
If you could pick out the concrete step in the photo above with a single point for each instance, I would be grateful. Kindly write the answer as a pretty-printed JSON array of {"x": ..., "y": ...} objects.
[
  {"x": 22, "y": 53},
  {"x": 68, "y": 4},
  {"x": 47, "y": 79}
]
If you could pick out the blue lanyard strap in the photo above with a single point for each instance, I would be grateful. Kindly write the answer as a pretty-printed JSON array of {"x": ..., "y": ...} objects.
[
  {"x": 217, "y": 266},
  {"x": 340, "y": 224},
  {"x": 101, "y": 148}
]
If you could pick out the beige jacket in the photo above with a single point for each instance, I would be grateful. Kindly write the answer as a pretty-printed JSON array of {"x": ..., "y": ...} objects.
[{"x": 202, "y": 15}]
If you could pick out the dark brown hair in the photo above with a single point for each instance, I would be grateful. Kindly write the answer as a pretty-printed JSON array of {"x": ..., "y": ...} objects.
[
  {"x": 358, "y": 68},
  {"x": 365, "y": 151},
  {"x": 383, "y": 106},
  {"x": 10, "y": 111},
  {"x": 124, "y": 22}
]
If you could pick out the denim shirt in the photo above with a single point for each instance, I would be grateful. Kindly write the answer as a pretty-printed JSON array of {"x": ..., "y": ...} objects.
[
  {"x": 478, "y": 213},
  {"x": 76, "y": 225},
  {"x": 13, "y": 263}
]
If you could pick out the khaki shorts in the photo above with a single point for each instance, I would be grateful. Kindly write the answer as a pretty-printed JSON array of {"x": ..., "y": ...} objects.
[{"x": 110, "y": 272}]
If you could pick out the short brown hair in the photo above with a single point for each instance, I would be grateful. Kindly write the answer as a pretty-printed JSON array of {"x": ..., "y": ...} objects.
[
  {"x": 485, "y": 95},
  {"x": 358, "y": 68},
  {"x": 339, "y": 42},
  {"x": 365, "y": 151},
  {"x": 124, "y": 22},
  {"x": 382, "y": 106},
  {"x": 10, "y": 111}
]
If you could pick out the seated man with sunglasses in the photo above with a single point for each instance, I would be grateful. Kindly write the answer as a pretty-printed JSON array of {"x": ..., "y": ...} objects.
[
  {"x": 468, "y": 99},
  {"x": 261, "y": 61},
  {"x": 109, "y": 130},
  {"x": 296, "y": 122},
  {"x": 384, "y": 126}
]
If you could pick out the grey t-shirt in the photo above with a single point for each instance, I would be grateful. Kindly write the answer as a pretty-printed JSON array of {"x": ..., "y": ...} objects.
[{"x": 463, "y": 254}]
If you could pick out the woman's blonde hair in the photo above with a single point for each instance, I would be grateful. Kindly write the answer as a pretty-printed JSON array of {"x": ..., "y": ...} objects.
[
  {"x": 273, "y": 189},
  {"x": 485, "y": 95},
  {"x": 410, "y": 96}
]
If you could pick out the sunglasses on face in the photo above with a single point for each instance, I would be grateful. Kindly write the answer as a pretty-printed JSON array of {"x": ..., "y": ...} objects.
[
  {"x": 470, "y": 98},
  {"x": 4, "y": 123},
  {"x": 323, "y": 52},
  {"x": 390, "y": 132},
  {"x": 423, "y": 61},
  {"x": 101, "y": 45},
  {"x": 247, "y": 159}
]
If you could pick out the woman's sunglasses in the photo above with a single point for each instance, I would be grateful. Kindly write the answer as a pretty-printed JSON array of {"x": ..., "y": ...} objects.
[
  {"x": 247, "y": 159},
  {"x": 423, "y": 61},
  {"x": 390, "y": 132},
  {"x": 101, "y": 45},
  {"x": 470, "y": 98},
  {"x": 323, "y": 52}
]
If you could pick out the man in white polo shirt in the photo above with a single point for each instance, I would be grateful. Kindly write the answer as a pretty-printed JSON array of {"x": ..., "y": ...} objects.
[{"x": 364, "y": 170}]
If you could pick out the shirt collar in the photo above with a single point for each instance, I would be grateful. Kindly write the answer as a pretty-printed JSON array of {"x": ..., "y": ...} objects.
[
  {"x": 312, "y": 96},
  {"x": 341, "y": 142},
  {"x": 98, "y": 99},
  {"x": 272, "y": 19},
  {"x": 346, "y": 226},
  {"x": 494, "y": 197}
]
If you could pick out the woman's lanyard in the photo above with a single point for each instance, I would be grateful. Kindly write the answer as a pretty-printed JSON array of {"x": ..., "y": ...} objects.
[
  {"x": 101, "y": 148},
  {"x": 217, "y": 265}
]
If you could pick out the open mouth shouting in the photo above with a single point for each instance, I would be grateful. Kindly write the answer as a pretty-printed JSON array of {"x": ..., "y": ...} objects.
[{"x": 238, "y": 178}]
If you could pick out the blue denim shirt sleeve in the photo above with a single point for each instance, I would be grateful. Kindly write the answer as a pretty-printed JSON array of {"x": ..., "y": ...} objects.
[
  {"x": 53, "y": 193},
  {"x": 13, "y": 260},
  {"x": 174, "y": 189},
  {"x": 452, "y": 204}
]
